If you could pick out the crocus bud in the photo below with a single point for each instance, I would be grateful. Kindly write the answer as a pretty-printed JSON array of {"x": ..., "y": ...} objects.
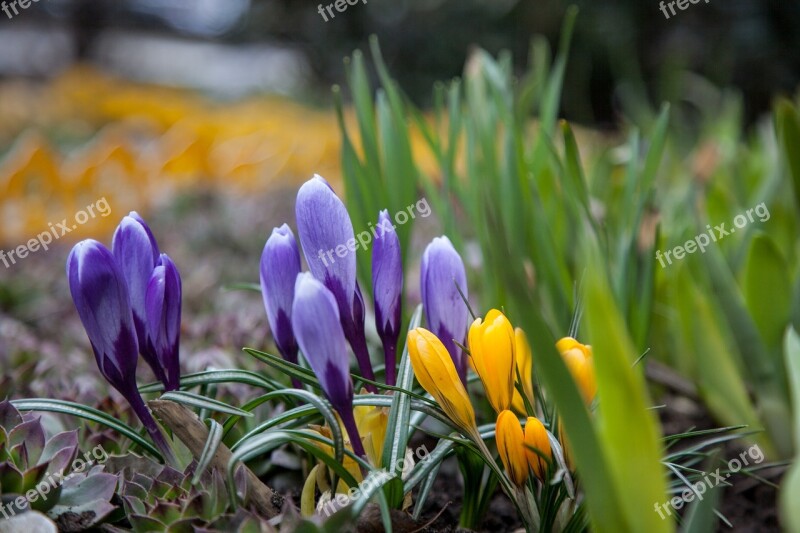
[
  {"x": 136, "y": 253},
  {"x": 524, "y": 359},
  {"x": 316, "y": 325},
  {"x": 387, "y": 286},
  {"x": 163, "y": 304},
  {"x": 510, "y": 446},
  {"x": 437, "y": 374},
  {"x": 100, "y": 295},
  {"x": 324, "y": 227},
  {"x": 280, "y": 265},
  {"x": 442, "y": 273},
  {"x": 580, "y": 362},
  {"x": 492, "y": 347},
  {"x": 536, "y": 439}
]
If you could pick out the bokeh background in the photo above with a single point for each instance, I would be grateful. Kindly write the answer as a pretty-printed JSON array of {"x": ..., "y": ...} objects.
[{"x": 205, "y": 115}]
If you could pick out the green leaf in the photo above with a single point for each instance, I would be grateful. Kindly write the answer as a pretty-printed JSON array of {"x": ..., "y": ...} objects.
[
  {"x": 209, "y": 450},
  {"x": 625, "y": 422},
  {"x": 201, "y": 402},
  {"x": 398, "y": 427},
  {"x": 787, "y": 124},
  {"x": 214, "y": 376},
  {"x": 324, "y": 409},
  {"x": 790, "y": 488},
  {"x": 701, "y": 516},
  {"x": 721, "y": 385},
  {"x": 86, "y": 413},
  {"x": 767, "y": 290}
]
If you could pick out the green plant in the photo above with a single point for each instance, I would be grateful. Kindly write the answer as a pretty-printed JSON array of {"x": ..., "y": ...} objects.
[{"x": 47, "y": 475}]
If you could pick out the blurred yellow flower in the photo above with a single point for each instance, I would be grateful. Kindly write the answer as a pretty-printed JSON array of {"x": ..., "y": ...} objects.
[
  {"x": 437, "y": 374},
  {"x": 524, "y": 359},
  {"x": 510, "y": 445},
  {"x": 580, "y": 362},
  {"x": 536, "y": 437},
  {"x": 492, "y": 347}
]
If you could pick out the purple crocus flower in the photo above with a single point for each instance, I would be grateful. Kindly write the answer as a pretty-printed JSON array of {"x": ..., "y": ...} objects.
[
  {"x": 101, "y": 298},
  {"x": 329, "y": 244},
  {"x": 387, "y": 288},
  {"x": 136, "y": 252},
  {"x": 280, "y": 265},
  {"x": 163, "y": 304},
  {"x": 445, "y": 311},
  {"x": 316, "y": 324}
]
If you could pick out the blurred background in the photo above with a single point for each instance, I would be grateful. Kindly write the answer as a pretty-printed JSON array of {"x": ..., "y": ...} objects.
[
  {"x": 154, "y": 95},
  {"x": 232, "y": 48}
]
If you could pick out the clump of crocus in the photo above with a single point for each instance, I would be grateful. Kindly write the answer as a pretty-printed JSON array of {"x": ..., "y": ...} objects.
[
  {"x": 501, "y": 357},
  {"x": 102, "y": 299},
  {"x": 580, "y": 362},
  {"x": 442, "y": 275},
  {"x": 136, "y": 252},
  {"x": 492, "y": 347},
  {"x": 324, "y": 225},
  {"x": 387, "y": 287},
  {"x": 329, "y": 246},
  {"x": 317, "y": 327},
  {"x": 280, "y": 266}
]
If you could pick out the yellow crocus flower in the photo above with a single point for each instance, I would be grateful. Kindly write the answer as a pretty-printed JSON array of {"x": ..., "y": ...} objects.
[
  {"x": 510, "y": 444},
  {"x": 524, "y": 359},
  {"x": 580, "y": 362},
  {"x": 437, "y": 374},
  {"x": 371, "y": 422},
  {"x": 536, "y": 437},
  {"x": 492, "y": 346}
]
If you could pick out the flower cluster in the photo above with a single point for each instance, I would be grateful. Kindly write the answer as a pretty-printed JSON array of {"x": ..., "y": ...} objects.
[
  {"x": 501, "y": 357},
  {"x": 129, "y": 301},
  {"x": 321, "y": 312}
]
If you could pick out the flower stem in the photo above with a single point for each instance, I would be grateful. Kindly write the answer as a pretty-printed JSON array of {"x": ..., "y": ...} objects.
[
  {"x": 390, "y": 352},
  {"x": 150, "y": 424},
  {"x": 359, "y": 344},
  {"x": 349, "y": 422}
]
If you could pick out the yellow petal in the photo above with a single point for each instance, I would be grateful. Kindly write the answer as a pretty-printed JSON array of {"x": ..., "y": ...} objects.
[
  {"x": 492, "y": 345},
  {"x": 307, "y": 503},
  {"x": 437, "y": 374},
  {"x": 536, "y": 437},
  {"x": 510, "y": 445},
  {"x": 568, "y": 343},
  {"x": 580, "y": 362}
]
